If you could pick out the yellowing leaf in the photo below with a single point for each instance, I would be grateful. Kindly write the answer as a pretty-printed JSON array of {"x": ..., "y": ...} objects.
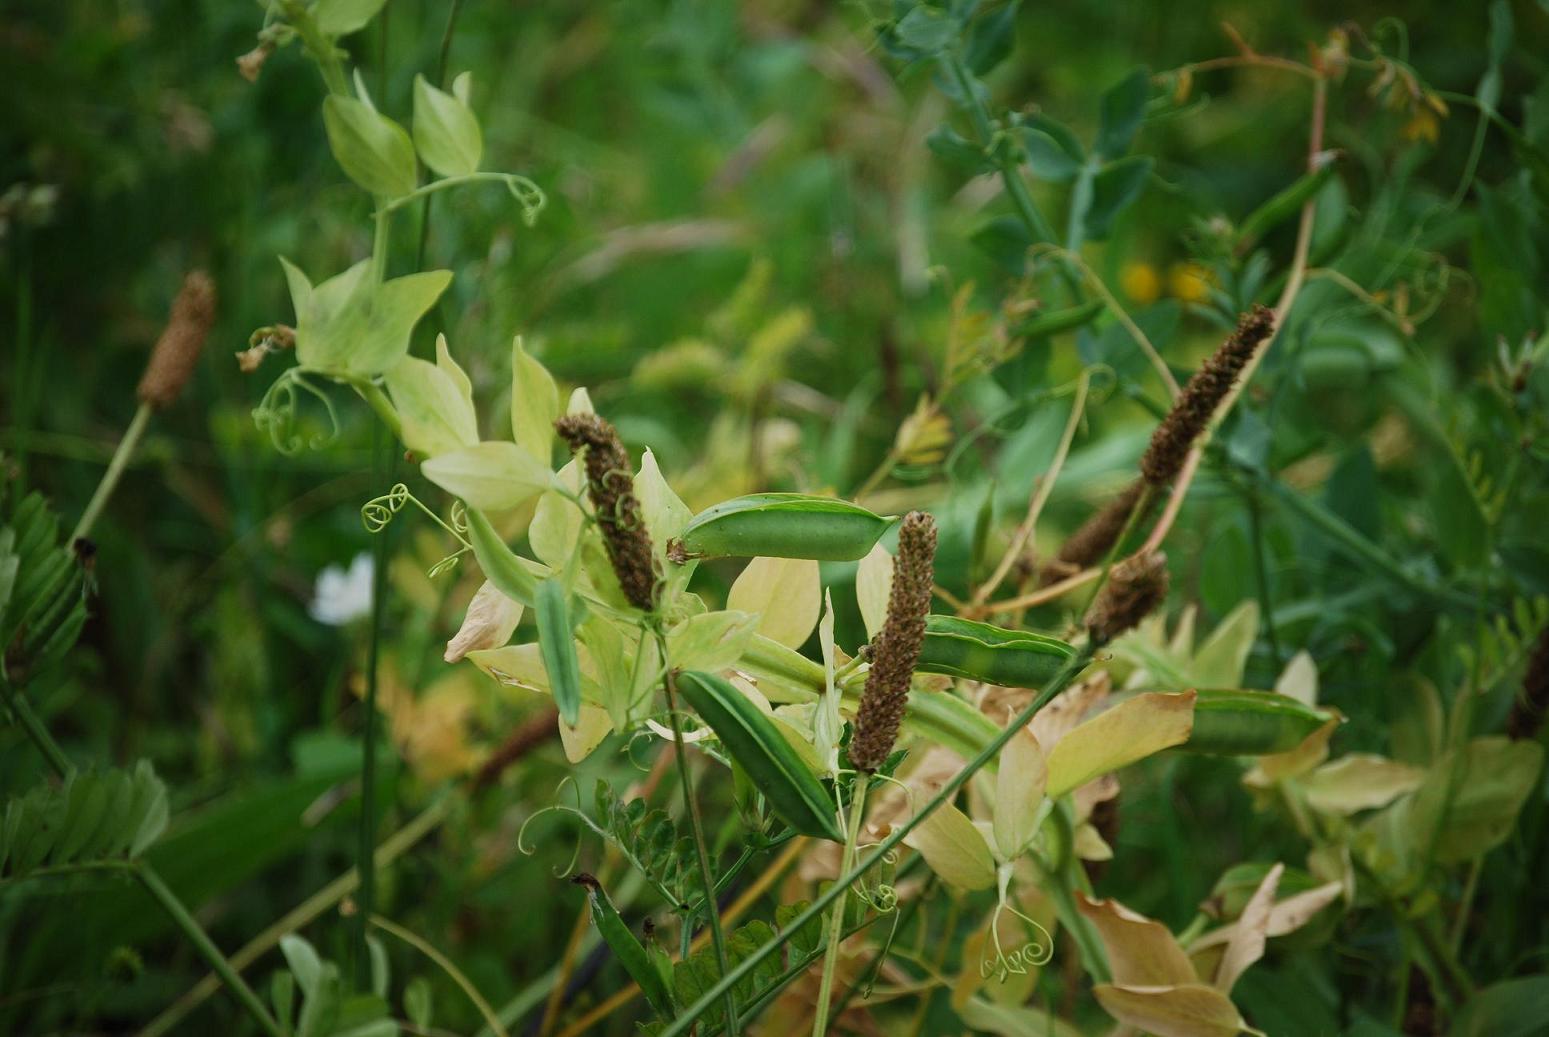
[
  {"x": 873, "y": 584},
  {"x": 1359, "y": 781},
  {"x": 785, "y": 595},
  {"x": 1220, "y": 660},
  {"x": 1187, "y": 1010},
  {"x": 489, "y": 476},
  {"x": 1019, "y": 785},
  {"x": 1286, "y": 916},
  {"x": 488, "y": 623},
  {"x": 534, "y": 404},
  {"x": 663, "y": 512},
  {"x": 1130, "y": 731},
  {"x": 954, "y": 848},
  {"x": 590, "y": 730},
  {"x": 1299, "y": 679},
  {"x": 1247, "y": 944},
  {"x": 1141, "y": 951},
  {"x": 924, "y": 436},
  {"x": 556, "y": 521},
  {"x": 710, "y": 641},
  {"x": 437, "y": 418},
  {"x": 1281, "y": 766}
]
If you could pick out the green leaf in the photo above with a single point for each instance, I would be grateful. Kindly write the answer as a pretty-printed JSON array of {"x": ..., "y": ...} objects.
[
  {"x": 373, "y": 150},
  {"x": 954, "y": 848},
  {"x": 1047, "y": 157},
  {"x": 557, "y": 643},
  {"x": 1120, "y": 113},
  {"x": 1114, "y": 187},
  {"x": 926, "y": 29},
  {"x": 626, "y": 947},
  {"x": 1512, "y": 1008},
  {"x": 446, "y": 132},
  {"x": 342, "y": 17},
  {"x": 534, "y": 404},
  {"x": 418, "y": 1003},
  {"x": 991, "y": 39},
  {"x": 348, "y": 325},
  {"x": 958, "y": 152}
]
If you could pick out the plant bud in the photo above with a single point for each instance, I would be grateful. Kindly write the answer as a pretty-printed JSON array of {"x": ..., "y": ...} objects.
[{"x": 172, "y": 361}]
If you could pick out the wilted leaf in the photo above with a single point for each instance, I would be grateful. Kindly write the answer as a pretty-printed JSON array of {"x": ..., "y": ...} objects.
[
  {"x": 1142, "y": 952},
  {"x": 1188, "y": 1010},
  {"x": 1246, "y": 945}
]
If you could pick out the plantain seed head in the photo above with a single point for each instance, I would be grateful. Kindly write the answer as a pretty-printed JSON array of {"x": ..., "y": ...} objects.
[{"x": 611, "y": 486}]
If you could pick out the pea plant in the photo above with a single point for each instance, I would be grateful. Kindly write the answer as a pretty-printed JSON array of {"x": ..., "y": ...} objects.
[{"x": 836, "y": 830}]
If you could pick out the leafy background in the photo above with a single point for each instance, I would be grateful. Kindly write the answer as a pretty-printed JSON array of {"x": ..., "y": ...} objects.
[{"x": 743, "y": 221}]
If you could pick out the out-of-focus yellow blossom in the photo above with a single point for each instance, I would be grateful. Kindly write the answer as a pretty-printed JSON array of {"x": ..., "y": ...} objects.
[
  {"x": 1140, "y": 282},
  {"x": 1189, "y": 282},
  {"x": 1422, "y": 125}
]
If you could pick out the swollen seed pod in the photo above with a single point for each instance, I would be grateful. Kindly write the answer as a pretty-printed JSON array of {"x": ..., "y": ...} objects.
[
  {"x": 781, "y": 525},
  {"x": 556, "y": 643},
  {"x": 1251, "y": 723},
  {"x": 501, "y": 565},
  {"x": 626, "y": 947},
  {"x": 792, "y": 791},
  {"x": 1052, "y": 322},
  {"x": 994, "y": 655}
]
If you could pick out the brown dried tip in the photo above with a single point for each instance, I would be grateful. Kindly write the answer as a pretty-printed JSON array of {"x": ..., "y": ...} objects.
[
  {"x": 1091, "y": 543},
  {"x": 1197, "y": 402},
  {"x": 172, "y": 361},
  {"x": 897, "y": 645},
  {"x": 1135, "y": 587},
  {"x": 1527, "y": 713},
  {"x": 611, "y": 485}
]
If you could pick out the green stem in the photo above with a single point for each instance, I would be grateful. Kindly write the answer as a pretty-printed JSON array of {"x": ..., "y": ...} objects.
[
  {"x": 206, "y": 947},
  {"x": 323, "y": 52},
  {"x": 1071, "y": 670},
  {"x": 426, "y": 190},
  {"x": 836, "y": 921},
  {"x": 21, "y": 709},
  {"x": 372, "y": 393},
  {"x": 126, "y": 449},
  {"x": 701, "y": 849}
]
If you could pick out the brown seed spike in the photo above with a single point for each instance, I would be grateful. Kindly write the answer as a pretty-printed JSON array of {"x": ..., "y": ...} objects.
[
  {"x": 611, "y": 486},
  {"x": 1091, "y": 543},
  {"x": 1197, "y": 402},
  {"x": 177, "y": 351},
  {"x": 1134, "y": 589},
  {"x": 897, "y": 646}
]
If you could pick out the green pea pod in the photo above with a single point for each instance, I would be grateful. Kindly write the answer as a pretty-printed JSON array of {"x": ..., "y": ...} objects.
[
  {"x": 791, "y": 790},
  {"x": 1250, "y": 723},
  {"x": 500, "y": 564},
  {"x": 782, "y": 525},
  {"x": 629, "y": 951},
  {"x": 995, "y": 655},
  {"x": 1052, "y": 322},
  {"x": 941, "y": 718},
  {"x": 556, "y": 644},
  {"x": 1281, "y": 207}
]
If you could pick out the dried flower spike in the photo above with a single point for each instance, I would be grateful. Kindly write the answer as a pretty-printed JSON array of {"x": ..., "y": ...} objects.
[
  {"x": 1091, "y": 543},
  {"x": 611, "y": 486},
  {"x": 1527, "y": 713},
  {"x": 1135, "y": 587},
  {"x": 896, "y": 648},
  {"x": 172, "y": 361},
  {"x": 1196, "y": 405}
]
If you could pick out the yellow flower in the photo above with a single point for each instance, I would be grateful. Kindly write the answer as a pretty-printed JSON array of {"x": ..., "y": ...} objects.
[
  {"x": 1422, "y": 125},
  {"x": 1140, "y": 282},
  {"x": 1189, "y": 282}
]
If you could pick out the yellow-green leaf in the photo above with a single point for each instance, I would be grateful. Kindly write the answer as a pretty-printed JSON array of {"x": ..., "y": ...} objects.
[
  {"x": 784, "y": 594},
  {"x": 534, "y": 404},
  {"x": 489, "y": 475},
  {"x": 1130, "y": 731},
  {"x": 954, "y": 848}
]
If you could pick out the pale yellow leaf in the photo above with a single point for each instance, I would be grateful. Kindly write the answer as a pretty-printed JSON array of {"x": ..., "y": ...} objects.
[
  {"x": 1286, "y": 916},
  {"x": 1359, "y": 781},
  {"x": 710, "y": 641},
  {"x": 590, "y": 730},
  {"x": 1187, "y": 1010},
  {"x": 784, "y": 593},
  {"x": 490, "y": 476},
  {"x": 436, "y": 418},
  {"x": 1220, "y": 660},
  {"x": 1141, "y": 951},
  {"x": 534, "y": 404},
  {"x": 1299, "y": 679},
  {"x": 1019, "y": 785},
  {"x": 954, "y": 848},
  {"x": 488, "y": 623},
  {"x": 663, "y": 512},
  {"x": 1247, "y": 944},
  {"x": 873, "y": 584},
  {"x": 1130, "y": 731}
]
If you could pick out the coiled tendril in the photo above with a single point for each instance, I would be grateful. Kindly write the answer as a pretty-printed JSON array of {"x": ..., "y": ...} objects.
[
  {"x": 378, "y": 512},
  {"x": 277, "y": 413}
]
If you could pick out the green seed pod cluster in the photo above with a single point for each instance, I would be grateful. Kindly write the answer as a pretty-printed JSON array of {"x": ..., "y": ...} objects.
[
  {"x": 791, "y": 790},
  {"x": 611, "y": 485},
  {"x": 781, "y": 525},
  {"x": 896, "y": 649},
  {"x": 994, "y": 655},
  {"x": 1251, "y": 723}
]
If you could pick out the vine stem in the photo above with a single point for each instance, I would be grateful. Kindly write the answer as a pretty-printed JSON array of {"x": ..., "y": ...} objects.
[
  {"x": 206, "y": 947},
  {"x": 126, "y": 449},
  {"x": 1058, "y": 683},
  {"x": 446, "y": 965},
  {"x": 701, "y": 850},
  {"x": 36, "y": 729},
  {"x": 836, "y": 921}
]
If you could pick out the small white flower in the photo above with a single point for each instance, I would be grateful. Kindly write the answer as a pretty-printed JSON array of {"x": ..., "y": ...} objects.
[{"x": 343, "y": 595}]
